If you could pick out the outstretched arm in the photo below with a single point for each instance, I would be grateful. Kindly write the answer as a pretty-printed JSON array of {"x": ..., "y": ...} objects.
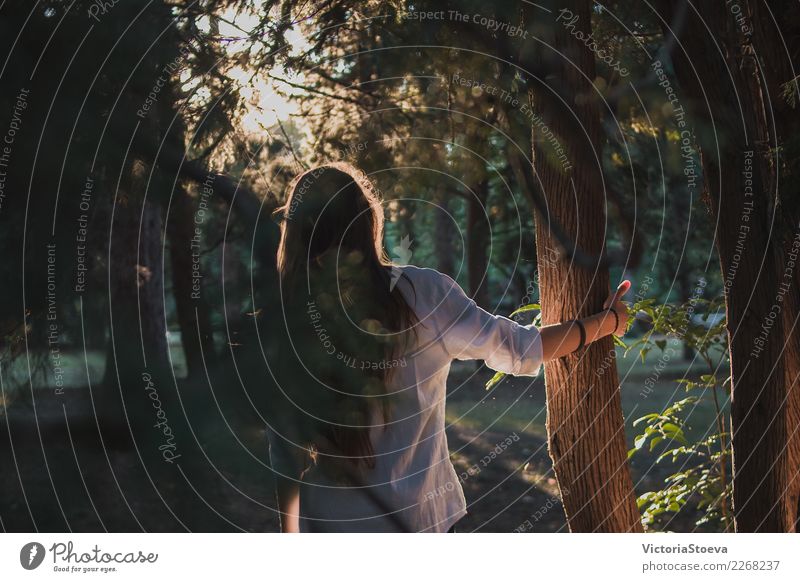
[
  {"x": 561, "y": 339},
  {"x": 469, "y": 332}
]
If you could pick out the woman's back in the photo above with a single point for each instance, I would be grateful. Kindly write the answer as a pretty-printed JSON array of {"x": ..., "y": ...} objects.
[{"x": 413, "y": 485}]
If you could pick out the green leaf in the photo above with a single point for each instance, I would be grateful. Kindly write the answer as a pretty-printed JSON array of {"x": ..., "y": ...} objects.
[
  {"x": 670, "y": 428},
  {"x": 646, "y": 417},
  {"x": 494, "y": 380},
  {"x": 525, "y": 309},
  {"x": 645, "y": 498},
  {"x": 680, "y": 437}
]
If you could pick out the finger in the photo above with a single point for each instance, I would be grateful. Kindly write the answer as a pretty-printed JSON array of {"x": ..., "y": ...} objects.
[{"x": 623, "y": 288}]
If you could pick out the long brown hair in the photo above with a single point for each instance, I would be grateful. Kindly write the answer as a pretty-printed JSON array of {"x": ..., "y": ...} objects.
[{"x": 337, "y": 284}]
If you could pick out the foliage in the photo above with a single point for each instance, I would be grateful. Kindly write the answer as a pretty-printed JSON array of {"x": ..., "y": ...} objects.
[
  {"x": 702, "y": 475},
  {"x": 701, "y": 478}
]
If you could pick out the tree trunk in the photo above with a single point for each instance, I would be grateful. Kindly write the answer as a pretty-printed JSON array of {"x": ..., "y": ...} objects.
[
  {"x": 184, "y": 232},
  {"x": 791, "y": 322},
  {"x": 727, "y": 105},
  {"x": 685, "y": 290},
  {"x": 585, "y": 425},
  {"x": 138, "y": 342},
  {"x": 443, "y": 235},
  {"x": 777, "y": 44},
  {"x": 191, "y": 308},
  {"x": 478, "y": 244}
]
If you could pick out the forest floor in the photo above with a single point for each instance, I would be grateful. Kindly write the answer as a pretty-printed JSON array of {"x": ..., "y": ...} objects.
[{"x": 497, "y": 441}]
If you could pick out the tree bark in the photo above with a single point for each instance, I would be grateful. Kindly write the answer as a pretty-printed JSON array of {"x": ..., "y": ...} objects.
[
  {"x": 444, "y": 234},
  {"x": 725, "y": 98},
  {"x": 777, "y": 41},
  {"x": 478, "y": 244},
  {"x": 184, "y": 236},
  {"x": 191, "y": 308},
  {"x": 585, "y": 426},
  {"x": 138, "y": 341}
]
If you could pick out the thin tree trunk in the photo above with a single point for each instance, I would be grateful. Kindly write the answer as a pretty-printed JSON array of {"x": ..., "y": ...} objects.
[
  {"x": 478, "y": 244},
  {"x": 443, "y": 235},
  {"x": 585, "y": 425},
  {"x": 685, "y": 289}
]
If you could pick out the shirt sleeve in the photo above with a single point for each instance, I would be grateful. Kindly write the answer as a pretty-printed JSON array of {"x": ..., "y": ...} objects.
[{"x": 471, "y": 333}]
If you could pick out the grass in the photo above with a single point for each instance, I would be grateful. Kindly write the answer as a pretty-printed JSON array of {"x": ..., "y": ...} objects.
[{"x": 522, "y": 477}]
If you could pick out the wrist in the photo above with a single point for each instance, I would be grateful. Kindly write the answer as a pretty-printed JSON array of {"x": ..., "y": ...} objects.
[{"x": 607, "y": 323}]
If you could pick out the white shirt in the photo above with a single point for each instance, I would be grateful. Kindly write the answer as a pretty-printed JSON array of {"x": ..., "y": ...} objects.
[{"x": 414, "y": 486}]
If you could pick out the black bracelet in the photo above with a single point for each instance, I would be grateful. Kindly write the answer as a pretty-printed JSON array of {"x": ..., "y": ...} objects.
[
  {"x": 582, "y": 329},
  {"x": 616, "y": 318}
]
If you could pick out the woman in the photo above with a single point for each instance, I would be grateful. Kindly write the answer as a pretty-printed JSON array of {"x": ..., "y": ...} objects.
[{"x": 357, "y": 434}]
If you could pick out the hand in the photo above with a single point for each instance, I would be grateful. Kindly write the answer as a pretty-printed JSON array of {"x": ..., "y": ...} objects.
[{"x": 615, "y": 301}]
